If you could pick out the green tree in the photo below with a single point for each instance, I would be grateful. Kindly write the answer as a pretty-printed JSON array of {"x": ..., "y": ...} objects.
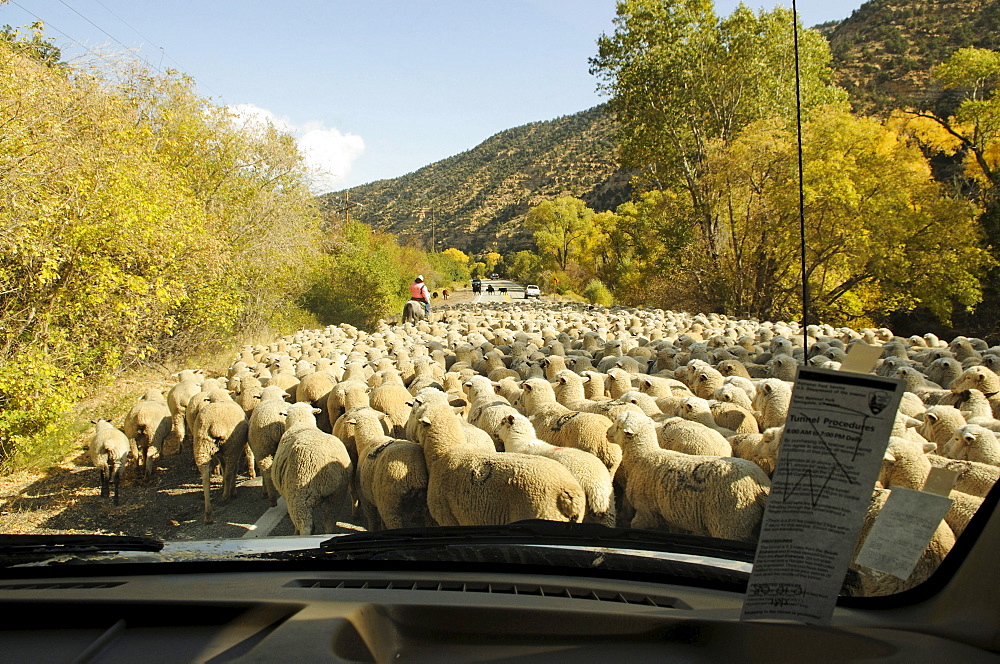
[
  {"x": 679, "y": 78},
  {"x": 563, "y": 229}
]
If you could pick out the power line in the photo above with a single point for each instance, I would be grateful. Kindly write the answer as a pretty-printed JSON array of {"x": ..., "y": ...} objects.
[{"x": 92, "y": 51}]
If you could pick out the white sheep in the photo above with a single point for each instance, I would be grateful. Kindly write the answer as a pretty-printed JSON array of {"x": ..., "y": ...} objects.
[
  {"x": 703, "y": 495},
  {"x": 220, "y": 435},
  {"x": 188, "y": 384},
  {"x": 518, "y": 436},
  {"x": 312, "y": 469},
  {"x": 690, "y": 437},
  {"x": 468, "y": 486},
  {"x": 147, "y": 425},
  {"x": 974, "y": 443},
  {"x": 391, "y": 476},
  {"x": 558, "y": 425},
  {"x": 771, "y": 400},
  {"x": 109, "y": 452},
  {"x": 264, "y": 430}
]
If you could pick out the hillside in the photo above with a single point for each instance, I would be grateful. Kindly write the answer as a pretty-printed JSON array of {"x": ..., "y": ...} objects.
[
  {"x": 477, "y": 200},
  {"x": 883, "y": 53}
]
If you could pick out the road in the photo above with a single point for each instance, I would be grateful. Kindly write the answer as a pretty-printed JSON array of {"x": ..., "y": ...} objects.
[{"x": 515, "y": 291}]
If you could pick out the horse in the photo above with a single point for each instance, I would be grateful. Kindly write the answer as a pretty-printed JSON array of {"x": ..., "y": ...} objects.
[{"x": 414, "y": 311}]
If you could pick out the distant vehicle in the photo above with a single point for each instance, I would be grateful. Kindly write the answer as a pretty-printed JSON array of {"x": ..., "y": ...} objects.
[
  {"x": 477, "y": 286},
  {"x": 531, "y": 290},
  {"x": 494, "y": 276}
]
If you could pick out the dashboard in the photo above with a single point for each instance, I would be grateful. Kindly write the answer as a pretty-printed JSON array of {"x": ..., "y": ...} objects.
[{"x": 380, "y": 615}]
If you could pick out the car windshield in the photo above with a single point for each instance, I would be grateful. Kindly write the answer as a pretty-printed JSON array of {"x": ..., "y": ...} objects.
[{"x": 350, "y": 268}]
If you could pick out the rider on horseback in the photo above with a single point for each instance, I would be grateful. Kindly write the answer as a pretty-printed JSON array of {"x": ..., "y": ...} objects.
[{"x": 419, "y": 292}]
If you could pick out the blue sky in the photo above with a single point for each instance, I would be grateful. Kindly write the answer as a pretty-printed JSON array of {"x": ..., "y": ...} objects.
[{"x": 373, "y": 89}]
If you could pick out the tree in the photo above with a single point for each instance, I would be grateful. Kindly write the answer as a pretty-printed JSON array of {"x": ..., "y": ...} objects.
[
  {"x": 881, "y": 234},
  {"x": 974, "y": 129},
  {"x": 563, "y": 229},
  {"x": 640, "y": 246},
  {"x": 679, "y": 78}
]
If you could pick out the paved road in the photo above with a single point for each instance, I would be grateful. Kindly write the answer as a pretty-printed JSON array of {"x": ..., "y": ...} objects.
[{"x": 515, "y": 291}]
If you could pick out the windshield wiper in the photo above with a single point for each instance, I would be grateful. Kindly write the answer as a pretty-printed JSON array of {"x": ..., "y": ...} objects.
[
  {"x": 56, "y": 545},
  {"x": 540, "y": 532}
]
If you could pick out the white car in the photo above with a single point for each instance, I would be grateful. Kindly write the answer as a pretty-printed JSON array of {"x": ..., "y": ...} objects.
[{"x": 531, "y": 290}]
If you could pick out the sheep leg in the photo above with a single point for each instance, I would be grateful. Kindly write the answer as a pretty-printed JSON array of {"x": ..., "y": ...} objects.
[
  {"x": 645, "y": 519},
  {"x": 105, "y": 484},
  {"x": 206, "y": 484},
  {"x": 270, "y": 493},
  {"x": 229, "y": 467},
  {"x": 370, "y": 513},
  {"x": 150, "y": 457},
  {"x": 301, "y": 513},
  {"x": 177, "y": 434},
  {"x": 251, "y": 463},
  {"x": 117, "y": 474}
]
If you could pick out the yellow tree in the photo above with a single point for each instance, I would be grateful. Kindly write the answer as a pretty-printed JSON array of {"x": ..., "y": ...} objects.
[
  {"x": 563, "y": 229},
  {"x": 882, "y": 235}
]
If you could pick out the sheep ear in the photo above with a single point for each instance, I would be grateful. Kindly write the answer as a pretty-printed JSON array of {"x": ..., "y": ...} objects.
[
  {"x": 425, "y": 420},
  {"x": 528, "y": 387},
  {"x": 931, "y": 417},
  {"x": 509, "y": 419},
  {"x": 766, "y": 388},
  {"x": 969, "y": 437},
  {"x": 628, "y": 431},
  {"x": 929, "y": 447},
  {"x": 889, "y": 457}
]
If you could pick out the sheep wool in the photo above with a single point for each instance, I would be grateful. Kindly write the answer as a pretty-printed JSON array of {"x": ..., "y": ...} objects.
[
  {"x": 147, "y": 425},
  {"x": 468, "y": 486},
  {"x": 109, "y": 452},
  {"x": 703, "y": 495},
  {"x": 312, "y": 469}
]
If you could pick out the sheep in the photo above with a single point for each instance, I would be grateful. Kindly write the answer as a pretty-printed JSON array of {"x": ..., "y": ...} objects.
[
  {"x": 690, "y": 437},
  {"x": 264, "y": 430},
  {"x": 974, "y": 443},
  {"x": 771, "y": 400},
  {"x": 703, "y": 495},
  {"x": 188, "y": 384},
  {"x": 558, "y": 425},
  {"x": 110, "y": 451},
  {"x": 220, "y": 434},
  {"x": 569, "y": 392},
  {"x": 391, "y": 476},
  {"x": 730, "y": 393},
  {"x": 977, "y": 410},
  {"x": 314, "y": 389},
  {"x": 699, "y": 410},
  {"x": 392, "y": 398},
  {"x": 312, "y": 469},
  {"x": 467, "y": 486},
  {"x": 195, "y": 403},
  {"x": 518, "y": 436},
  {"x": 473, "y": 434},
  {"x": 147, "y": 425},
  {"x": 982, "y": 379},
  {"x": 939, "y": 423},
  {"x": 735, "y": 418}
]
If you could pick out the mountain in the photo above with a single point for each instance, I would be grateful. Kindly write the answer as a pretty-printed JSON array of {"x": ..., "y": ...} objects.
[
  {"x": 478, "y": 199},
  {"x": 883, "y": 53}
]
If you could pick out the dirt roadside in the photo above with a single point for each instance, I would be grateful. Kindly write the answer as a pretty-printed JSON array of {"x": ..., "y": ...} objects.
[{"x": 65, "y": 498}]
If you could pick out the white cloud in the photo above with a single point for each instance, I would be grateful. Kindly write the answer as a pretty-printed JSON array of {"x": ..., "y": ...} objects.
[{"x": 329, "y": 153}]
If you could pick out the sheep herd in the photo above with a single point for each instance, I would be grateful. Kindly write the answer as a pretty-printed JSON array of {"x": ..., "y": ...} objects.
[{"x": 485, "y": 415}]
